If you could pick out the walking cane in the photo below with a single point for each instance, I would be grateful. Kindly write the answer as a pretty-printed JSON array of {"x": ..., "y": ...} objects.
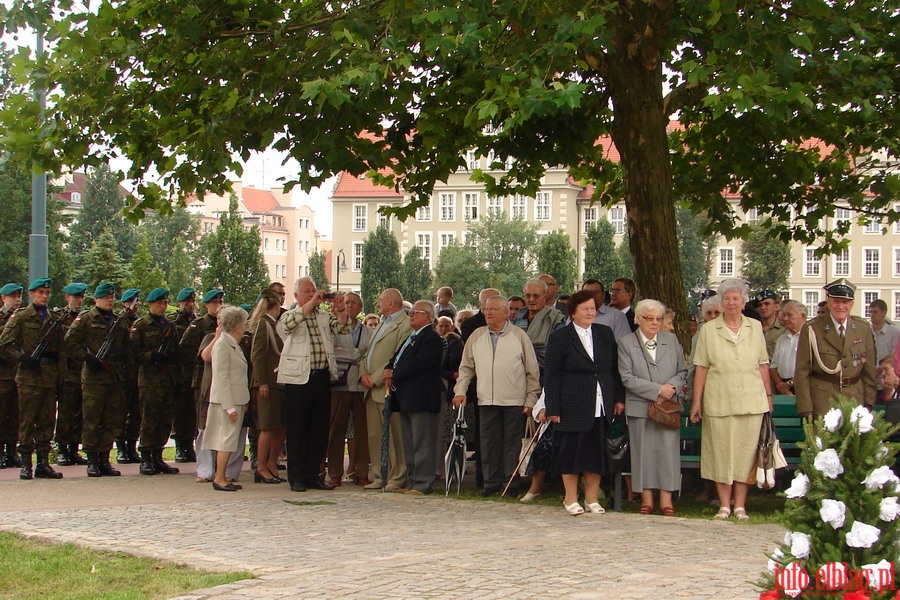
[{"x": 537, "y": 434}]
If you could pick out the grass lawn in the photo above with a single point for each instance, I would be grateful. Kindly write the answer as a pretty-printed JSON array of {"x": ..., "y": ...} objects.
[{"x": 36, "y": 569}]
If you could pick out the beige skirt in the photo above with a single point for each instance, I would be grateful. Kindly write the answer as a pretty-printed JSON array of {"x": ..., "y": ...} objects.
[
  {"x": 728, "y": 448},
  {"x": 221, "y": 434}
]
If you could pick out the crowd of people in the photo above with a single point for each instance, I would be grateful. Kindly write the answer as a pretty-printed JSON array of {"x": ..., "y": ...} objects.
[{"x": 311, "y": 380}]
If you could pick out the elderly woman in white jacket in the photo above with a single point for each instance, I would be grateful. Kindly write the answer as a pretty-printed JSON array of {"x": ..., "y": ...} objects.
[{"x": 229, "y": 394}]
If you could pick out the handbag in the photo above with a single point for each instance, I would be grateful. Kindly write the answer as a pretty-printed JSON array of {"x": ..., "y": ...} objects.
[
  {"x": 769, "y": 456},
  {"x": 618, "y": 456},
  {"x": 667, "y": 412},
  {"x": 527, "y": 446}
]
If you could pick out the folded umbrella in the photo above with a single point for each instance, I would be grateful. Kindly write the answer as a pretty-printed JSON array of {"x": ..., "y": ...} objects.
[{"x": 455, "y": 458}]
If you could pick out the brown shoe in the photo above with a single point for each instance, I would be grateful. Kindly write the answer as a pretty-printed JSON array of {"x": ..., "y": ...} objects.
[
  {"x": 335, "y": 481},
  {"x": 362, "y": 481}
]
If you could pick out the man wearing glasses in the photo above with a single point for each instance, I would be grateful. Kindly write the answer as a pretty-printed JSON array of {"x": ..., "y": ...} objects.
[{"x": 621, "y": 295}]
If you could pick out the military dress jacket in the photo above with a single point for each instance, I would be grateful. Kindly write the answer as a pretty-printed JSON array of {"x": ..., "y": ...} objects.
[
  {"x": 21, "y": 335},
  {"x": 86, "y": 335}
]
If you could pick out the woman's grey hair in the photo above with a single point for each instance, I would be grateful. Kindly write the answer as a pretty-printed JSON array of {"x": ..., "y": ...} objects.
[
  {"x": 794, "y": 305},
  {"x": 231, "y": 317},
  {"x": 648, "y": 304},
  {"x": 711, "y": 303},
  {"x": 735, "y": 285}
]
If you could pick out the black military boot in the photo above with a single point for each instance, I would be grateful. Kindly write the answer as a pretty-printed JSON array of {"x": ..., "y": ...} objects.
[
  {"x": 3, "y": 463},
  {"x": 180, "y": 452},
  {"x": 131, "y": 447},
  {"x": 190, "y": 452},
  {"x": 12, "y": 459},
  {"x": 148, "y": 467},
  {"x": 25, "y": 459},
  {"x": 162, "y": 467},
  {"x": 106, "y": 468},
  {"x": 73, "y": 452},
  {"x": 63, "y": 458},
  {"x": 122, "y": 453},
  {"x": 43, "y": 470},
  {"x": 93, "y": 464}
]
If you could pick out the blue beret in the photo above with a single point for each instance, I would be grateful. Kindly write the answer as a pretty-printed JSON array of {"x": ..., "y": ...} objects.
[
  {"x": 75, "y": 289},
  {"x": 212, "y": 295},
  {"x": 246, "y": 307},
  {"x": 157, "y": 294},
  {"x": 43, "y": 282},
  {"x": 185, "y": 293},
  {"x": 104, "y": 289},
  {"x": 11, "y": 288},
  {"x": 130, "y": 294},
  {"x": 766, "y": 295}
]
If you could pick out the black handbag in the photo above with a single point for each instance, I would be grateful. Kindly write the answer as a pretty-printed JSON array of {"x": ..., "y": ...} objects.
[{"x": 618, "y": 455}]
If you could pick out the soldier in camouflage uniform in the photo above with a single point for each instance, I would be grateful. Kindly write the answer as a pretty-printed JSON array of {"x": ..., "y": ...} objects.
[
  {"x": 190, "y": 341},
  {"x": 184, "y": 423},
  {"x": 130, "y": 427},
  {"x": 155, "y": 349},
  {"x": 99, "y": 337},
  {"x": 11, "y": 297},
  {"x": 37, "y": 377},
  {"x": 68, "y": 411}
]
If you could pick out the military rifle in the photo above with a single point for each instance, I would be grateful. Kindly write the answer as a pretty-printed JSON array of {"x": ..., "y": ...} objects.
[
  {"x": 38, "y": 353},
  {"x": 169, "y": 343},
  {"x": 106, "y": 346}
]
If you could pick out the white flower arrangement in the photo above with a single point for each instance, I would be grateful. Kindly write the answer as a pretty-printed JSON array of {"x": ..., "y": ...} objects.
[
  {"x": 888, "y": 509},
  {"x": 833, "y": 419},
  {"x": 832, "y": 575},
  {"x": 833, "y": 512},
  {"x": 829, "y": 463},
  {"x": 863, "y": 418},
  {"x": 798, "y": 542},
  {"x": 879, "y": 477},
  {"x": 799, "y": 486},
  {"x": 862, "y": 535}
]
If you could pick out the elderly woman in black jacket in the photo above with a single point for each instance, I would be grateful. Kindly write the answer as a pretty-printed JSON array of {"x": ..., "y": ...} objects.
[{"x": 583, "y": 392}]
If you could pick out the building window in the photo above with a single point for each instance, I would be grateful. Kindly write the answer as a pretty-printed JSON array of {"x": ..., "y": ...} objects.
[
  {"x": 470, "y": 206},
  {"x": 897, "y": 223},
  {"x": 811, "y": 300},
  {"x": 726, "y": 262},
  {"x": 444, "y": 240},
  {"x": 357, "y": 260},
  {"x": 812, "y": 265},
  {"x": 896, "y": 306},
  {"x": 542, "y": 206},
  {"x": 872, "y": 225},
  {"x": 423, "y": 213},
  {"x": 423, "y": 242},
  {"x": 266, "y": 244},
  {"x": 359, "y": 217},
  {"x": 590, "y": 217},
  {"x": 383, "y": 219},
  {"x": 871, "y": 262},
  {"x": 841, "y": 215},
  {"x": 896, "y": 261},
  {"x": 842, "y": 263},
  {"x": 868, "y": 298},
  {"x": 471, "y": 160},
  {"x": 518, "y": 208},
  {"x": 448, "y": 206},
  {"x": 617, "y": 219},
  {"x": 753, "y": 215},
  {"x": 307, "y": 245},
  {"x": 495, "y": 205}
]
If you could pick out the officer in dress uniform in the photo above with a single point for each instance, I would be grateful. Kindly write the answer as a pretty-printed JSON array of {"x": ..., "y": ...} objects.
[
  {"x": 835, "y": 355},
  {"x": 11, "y": 298},
  {"x": 157, "y": 361},
  {"x": 99, "y": 337},
  {"x": 68, "y": 410},
  {"x": 27, "y": 331},
  {"x": 184, "y": 422},
  {"x": 130, "y": 426}
]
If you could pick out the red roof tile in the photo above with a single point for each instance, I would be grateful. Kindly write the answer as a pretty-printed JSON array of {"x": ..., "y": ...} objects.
[
  {"x": 258, "y": 201},
  {"x": 350, "y": 186}
]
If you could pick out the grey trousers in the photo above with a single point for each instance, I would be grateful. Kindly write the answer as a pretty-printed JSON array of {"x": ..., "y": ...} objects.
[
  {"x": 418, "y": 443},
  {"x": 500, "y": 433}
]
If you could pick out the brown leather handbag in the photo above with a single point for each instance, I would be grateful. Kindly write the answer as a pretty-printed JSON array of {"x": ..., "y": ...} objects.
[{"x": 667, "y": 412}]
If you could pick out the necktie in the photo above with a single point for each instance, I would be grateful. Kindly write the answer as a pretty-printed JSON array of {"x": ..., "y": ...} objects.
[
  {"x": 841, "y": 332},
  {"x": 405, "y": 346},
  {"x": 651, "y": 344}
]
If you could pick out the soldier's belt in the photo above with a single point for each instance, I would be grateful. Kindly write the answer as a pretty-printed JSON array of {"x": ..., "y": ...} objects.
[
  {"x": 836, "y": 379},
  {"x": 46, "y": 360}
]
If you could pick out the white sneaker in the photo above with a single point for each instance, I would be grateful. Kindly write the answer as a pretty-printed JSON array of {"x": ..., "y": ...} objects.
[{"x": 529, "y": 497}]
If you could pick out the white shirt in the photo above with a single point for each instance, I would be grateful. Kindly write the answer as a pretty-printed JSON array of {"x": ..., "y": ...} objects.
[
  {"x": 784, "y": 358},
  {"x": 644, "y": 341},
  {"x": 587, "y": 340}
]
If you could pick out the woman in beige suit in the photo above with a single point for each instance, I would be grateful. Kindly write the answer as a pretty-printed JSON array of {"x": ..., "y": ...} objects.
[
  {"x": 264, "y": 356},
  {"x": 229, "y": 394}
]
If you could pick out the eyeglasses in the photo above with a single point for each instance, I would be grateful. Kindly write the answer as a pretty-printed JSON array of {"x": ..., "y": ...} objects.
[
  {"x": 652, "y": 319},
  {"x": 416, "y": 312}
]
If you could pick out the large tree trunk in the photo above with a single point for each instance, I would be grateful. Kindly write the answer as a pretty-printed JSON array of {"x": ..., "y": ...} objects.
[{"x": 639, "y": 132}]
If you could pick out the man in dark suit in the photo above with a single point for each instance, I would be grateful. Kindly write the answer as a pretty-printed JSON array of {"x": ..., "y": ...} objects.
[
  {"x": 415, "y": 373},
  {"x": 621, "y": 296},
  {"x": 477, "y": 320},
  {"x": 835, "y": 355}
]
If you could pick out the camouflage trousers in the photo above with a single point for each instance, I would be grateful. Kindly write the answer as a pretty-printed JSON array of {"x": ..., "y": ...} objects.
[
  {"x": 9, "y": 411},
  {"x": 157, "y": 408},
  {"x": 184, "y": 421},
  {"x": 37, "y": 417},
  {"x": 68, "y": 414},
  {"x": 102, "y": 415}
]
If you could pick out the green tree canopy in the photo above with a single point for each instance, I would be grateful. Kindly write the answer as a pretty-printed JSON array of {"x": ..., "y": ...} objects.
[
  {"x": 766, "y": 259},
  {"x": 696, "y": 253},
  {"x": 173, "y": 240},
  {"x": 458, "y": 267},
  {"x": 144, "y": 274},
  {"x": 189, "y": 88},
  {"x": 505, "y": 248},
  {"x": 317, "y": 270},
  {"x": 416, "y": 276},
  {"x": 556, "y": 256},
  {"x": 102, "y": 262},
  {"x": 233, "y": 259},
  {"x": 381, "y": 266},
  {"x": 601, "y": 259}
]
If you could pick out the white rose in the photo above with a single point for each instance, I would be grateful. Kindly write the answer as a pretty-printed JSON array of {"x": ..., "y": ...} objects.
[
  {"x": 862, "y": 535},
  {"x": 833, "y": 419},
  {"x": 833, "y": 512},
  {"x": 793, "y": 579},
  {"x": 829, "y": 463},
  {"x": 799, "y": 487},
  {"x": 833, "y": 575},
  {"x": 863, "y": 417},
  {"x": 879, "y": 477},
  {"x": 799, "y": 543},
  {"x": 879, "y": 575},
  {"x": 889, "y": 509}
]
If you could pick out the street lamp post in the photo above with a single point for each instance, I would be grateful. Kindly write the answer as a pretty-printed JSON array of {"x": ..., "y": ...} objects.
[{"x": 341, "y": 266}]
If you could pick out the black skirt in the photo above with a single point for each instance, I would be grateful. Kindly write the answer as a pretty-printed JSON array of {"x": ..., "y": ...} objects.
[{"x": 576, "y": 452}]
